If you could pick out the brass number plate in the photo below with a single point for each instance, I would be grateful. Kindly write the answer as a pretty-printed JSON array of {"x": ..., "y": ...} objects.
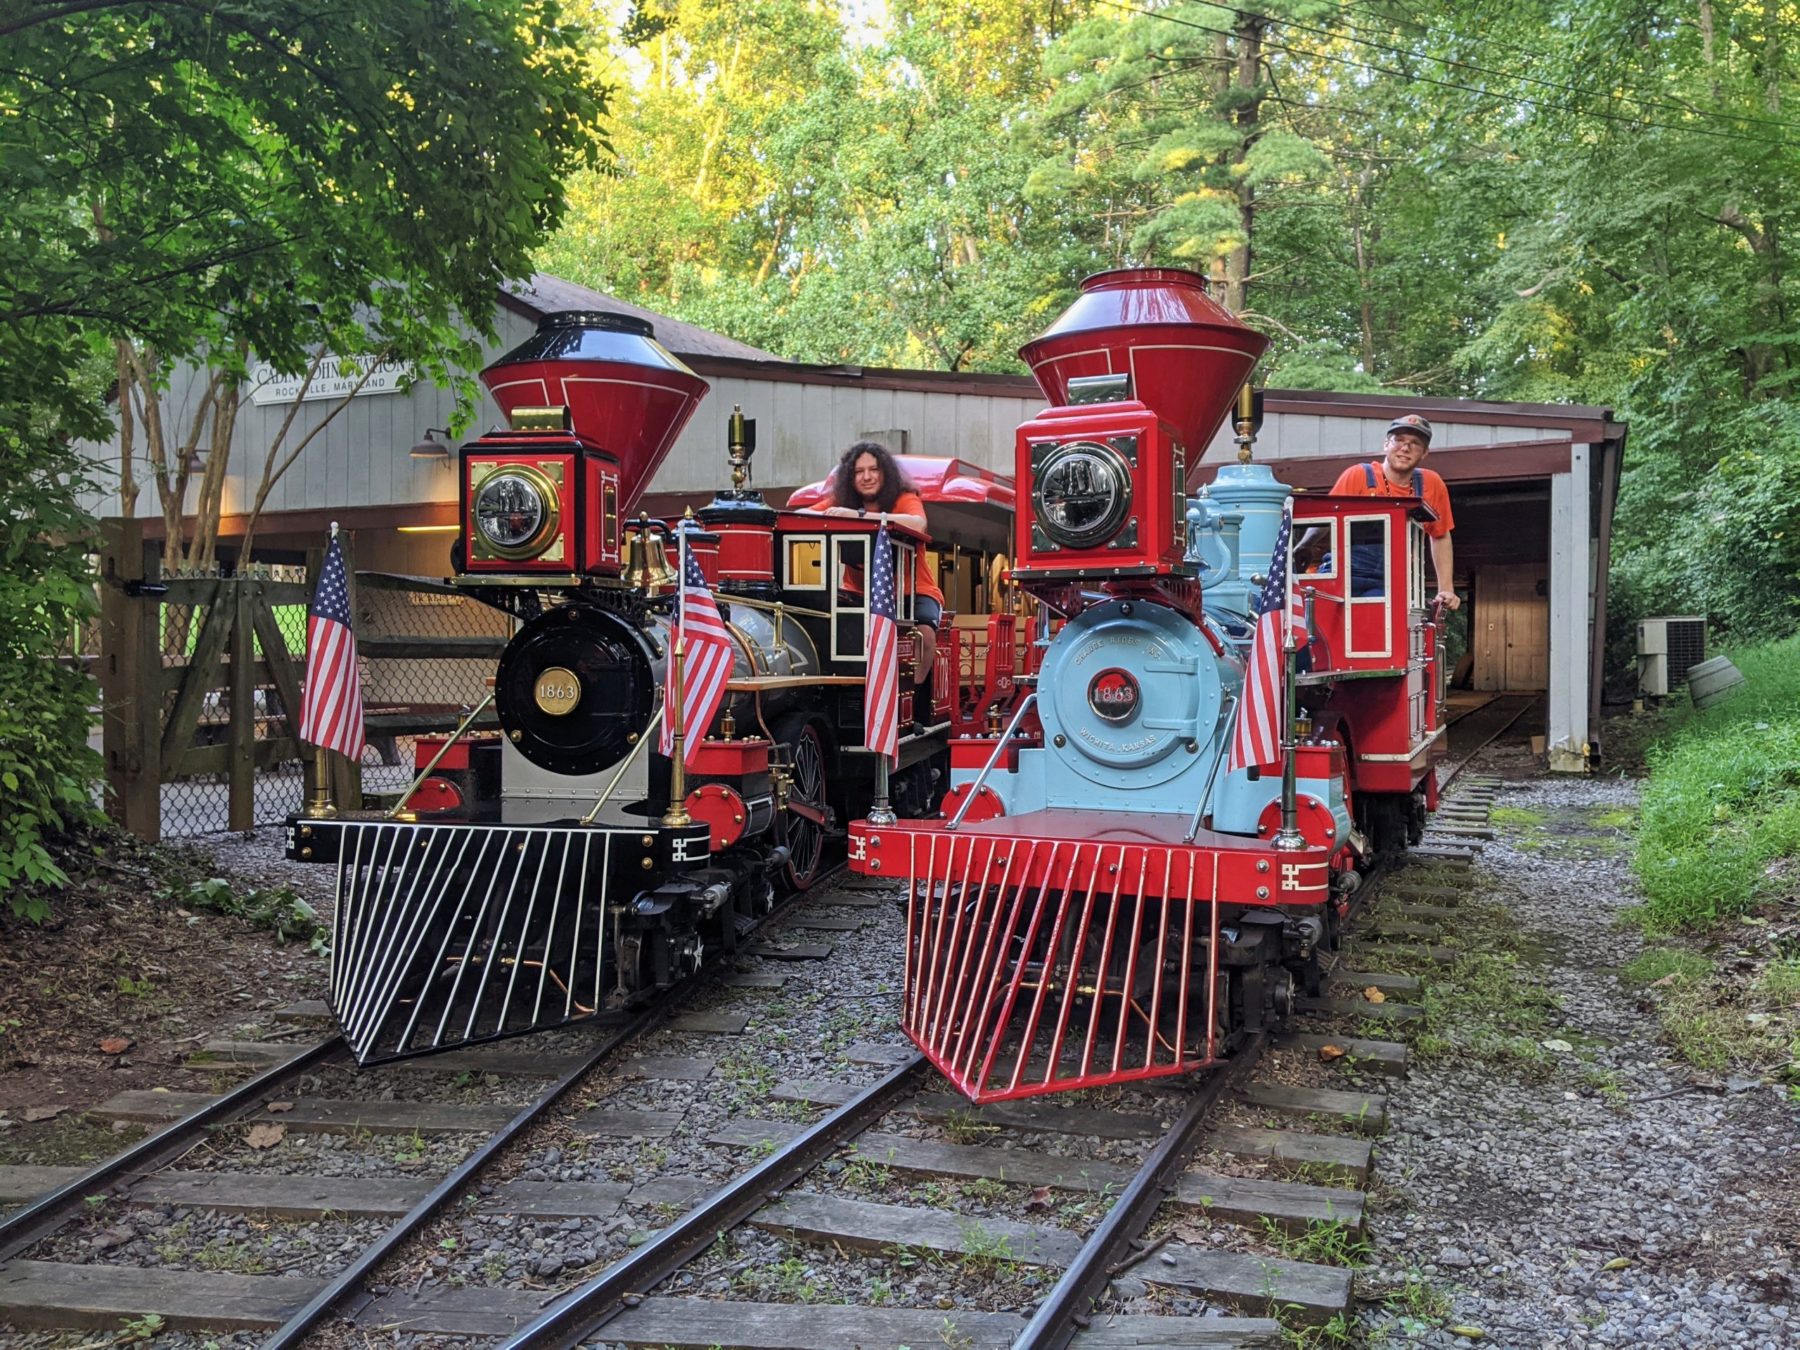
[{"x": 557, "y": 691}]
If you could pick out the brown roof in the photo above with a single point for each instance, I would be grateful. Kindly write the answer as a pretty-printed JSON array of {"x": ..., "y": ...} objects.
[{"x": 545, "y": 294}]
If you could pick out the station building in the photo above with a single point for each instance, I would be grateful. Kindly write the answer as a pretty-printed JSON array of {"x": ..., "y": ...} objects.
[{"x": 1532, "y": 485}]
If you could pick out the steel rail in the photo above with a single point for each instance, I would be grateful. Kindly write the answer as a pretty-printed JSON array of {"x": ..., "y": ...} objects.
[
  {"x": 43, "y": 1216},
  {"x": 345, "y": 1282},
  {"x": 579, "y": 1314},
  {"x": 1065, "y": 1308},
  {"x": 1530, "y": 702}
]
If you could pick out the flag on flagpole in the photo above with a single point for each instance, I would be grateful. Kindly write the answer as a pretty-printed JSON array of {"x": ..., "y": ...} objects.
[
  {"x": 1257, "y": 738},
  {"x": 331, "y": 707},
  {"x": 699, "y": 631},
  {"x": 881, "y": 696}
]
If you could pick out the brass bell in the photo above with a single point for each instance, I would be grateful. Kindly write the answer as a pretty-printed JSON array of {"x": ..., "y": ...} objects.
[{"x": 647, "y": 557}]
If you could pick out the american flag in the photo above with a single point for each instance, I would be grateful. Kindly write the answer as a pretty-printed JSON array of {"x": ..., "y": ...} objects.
[
  {"x": 701, "y": 633},
  {"x": 881, "y": 698},
  {"x": 331, "y": 708},
  {"x": 1257, "y": 739}
]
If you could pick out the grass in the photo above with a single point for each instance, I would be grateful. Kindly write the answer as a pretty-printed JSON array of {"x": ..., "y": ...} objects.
[
  {"x": 1517, "y": 816},
  {"x": 1323, "y": 1243},
  {"x": 1720, "y": 819},
  {"x": 1660, "y": 963},
  {"x": 1717, "y": 1022},
  {"x": 1489, "y": 1006},
  {"x": 1718, "y": 855}
]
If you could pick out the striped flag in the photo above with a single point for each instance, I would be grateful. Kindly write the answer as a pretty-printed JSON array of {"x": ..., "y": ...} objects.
[
  {"x": 881, "y": 697},
  {"x": 331, "y": 707},
  {"x": 699, "y": 631},
  {"x": 1257, "y": 738}
]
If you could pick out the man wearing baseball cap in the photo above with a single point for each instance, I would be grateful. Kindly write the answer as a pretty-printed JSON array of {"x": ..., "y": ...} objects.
[{"x": 1402, "y": 474}]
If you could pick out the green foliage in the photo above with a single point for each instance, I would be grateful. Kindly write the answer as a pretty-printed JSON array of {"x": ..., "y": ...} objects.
[
  {"x": 1720, "y": 821},
  {"x": 276, "y": 908},
  {"x": 217, "y": 180},
  {"x": 45, "y": 764}
]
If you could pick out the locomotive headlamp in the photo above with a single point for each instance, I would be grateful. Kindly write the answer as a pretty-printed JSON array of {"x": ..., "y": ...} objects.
[
  {"x": 516, "y": 511},
  {"x": 1082, "y": 493}
]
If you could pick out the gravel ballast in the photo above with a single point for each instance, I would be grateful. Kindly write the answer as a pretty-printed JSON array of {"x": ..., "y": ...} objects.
[{"x": 1585, "y": 1189}]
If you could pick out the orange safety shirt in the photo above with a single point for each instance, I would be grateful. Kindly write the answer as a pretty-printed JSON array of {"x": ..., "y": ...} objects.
[
  {"x": 906, "y": 504},
  {"x": 1354, "y": 482}
]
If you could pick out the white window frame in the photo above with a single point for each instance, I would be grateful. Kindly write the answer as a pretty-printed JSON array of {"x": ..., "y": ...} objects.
[
  {"x": 1385, "y": 600},
  {"x": 1301, "y": 529},
  {"x": 787, "y": 579},
  {"x": 1416, "y": 546}
]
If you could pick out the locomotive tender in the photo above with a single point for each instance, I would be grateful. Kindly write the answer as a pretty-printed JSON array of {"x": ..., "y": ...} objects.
[
  {"x": 1103, "y": 898},
  {"x": 1095, "y": 898}
]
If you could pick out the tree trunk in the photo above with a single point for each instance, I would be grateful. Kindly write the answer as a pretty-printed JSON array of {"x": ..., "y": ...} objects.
[
  {"x": 1249, "y": 67},
  {"x": 1364, "y": 282}
]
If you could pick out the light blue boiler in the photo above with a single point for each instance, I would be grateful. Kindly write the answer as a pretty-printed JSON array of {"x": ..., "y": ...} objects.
[{"x": 1138, "y": 706}]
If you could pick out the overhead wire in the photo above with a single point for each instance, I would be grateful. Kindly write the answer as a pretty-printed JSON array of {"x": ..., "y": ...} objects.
[
  {"x": 1583, "y": 90},
  {"x": 1513, "y": 98}
]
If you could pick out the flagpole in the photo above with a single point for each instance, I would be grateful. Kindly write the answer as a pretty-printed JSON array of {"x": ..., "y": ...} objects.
[
  {"x": 319, "y": 805},
  {"x": 1288, "y": 838},
  {"x": 677, "y": 814},
  {"x": 881, "y": 811}
]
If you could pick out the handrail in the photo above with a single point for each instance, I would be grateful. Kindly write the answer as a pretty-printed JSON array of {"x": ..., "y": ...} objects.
[
  {"x": 993, "y": 759},
  {"x": 1211, "y": 778},
  {"x": 636, "y": 750},
  {"x": 443, "y": 750}
]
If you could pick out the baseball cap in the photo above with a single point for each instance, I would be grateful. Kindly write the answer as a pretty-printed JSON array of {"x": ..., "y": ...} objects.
[{"x": 1411, "y": 422}]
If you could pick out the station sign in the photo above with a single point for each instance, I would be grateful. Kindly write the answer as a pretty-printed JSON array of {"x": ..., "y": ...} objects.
[{"x": 335, "y": 377}]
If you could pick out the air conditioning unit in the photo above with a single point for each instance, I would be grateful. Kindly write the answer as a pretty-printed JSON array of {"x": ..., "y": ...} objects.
[{"x": 1667, "y": 648}]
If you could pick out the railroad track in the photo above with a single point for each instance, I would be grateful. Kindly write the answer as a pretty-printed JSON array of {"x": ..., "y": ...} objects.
[
  {"x": 1197, "y": 1177},
  {"x": 380, "y": 1104},
  {"x": 1217, "y": 1199}
]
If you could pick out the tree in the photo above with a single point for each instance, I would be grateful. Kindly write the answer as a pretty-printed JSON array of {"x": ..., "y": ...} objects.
[{"x": 212, "y": 179}]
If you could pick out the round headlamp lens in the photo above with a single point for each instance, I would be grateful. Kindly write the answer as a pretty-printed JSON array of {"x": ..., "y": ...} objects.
[
  {"x": 1083, "y": 494},
  {"x": 509, "y": 510}
]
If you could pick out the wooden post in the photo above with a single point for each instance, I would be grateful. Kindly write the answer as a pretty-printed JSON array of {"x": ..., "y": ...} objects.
[
  {"x": 245, "y": 595},
  {"x": 131, "y": 681}
]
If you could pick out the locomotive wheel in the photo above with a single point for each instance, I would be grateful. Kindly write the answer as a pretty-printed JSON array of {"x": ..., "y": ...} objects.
[{"x": 803, "y": 831}]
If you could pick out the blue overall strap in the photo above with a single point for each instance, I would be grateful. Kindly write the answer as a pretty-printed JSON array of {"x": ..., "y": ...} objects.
[
  {"x": 1419, "y": 484},
  {"x": 1369, "y": 476}
]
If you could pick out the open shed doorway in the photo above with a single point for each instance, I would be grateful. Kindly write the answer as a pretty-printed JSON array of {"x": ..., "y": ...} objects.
[{"x": 1503, "y": 556}]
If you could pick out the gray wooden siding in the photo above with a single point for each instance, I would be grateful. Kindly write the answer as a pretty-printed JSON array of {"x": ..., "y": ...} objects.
[{"x": 1302, "y": 435}]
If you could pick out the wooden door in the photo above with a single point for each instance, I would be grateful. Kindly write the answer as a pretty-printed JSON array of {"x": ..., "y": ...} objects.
[{"x": 1511, "y": 637}]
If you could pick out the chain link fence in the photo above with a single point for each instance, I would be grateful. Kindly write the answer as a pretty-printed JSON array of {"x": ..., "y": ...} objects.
[{"x": 425, "y": 652}]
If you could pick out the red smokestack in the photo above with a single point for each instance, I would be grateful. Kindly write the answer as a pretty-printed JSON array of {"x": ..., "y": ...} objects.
[
  {"x": 623, "y": 389},
  {"x": 1187, "y": 355}
]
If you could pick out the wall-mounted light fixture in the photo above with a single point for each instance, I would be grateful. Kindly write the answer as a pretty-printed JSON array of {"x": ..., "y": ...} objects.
[{"x": 432, "y": 447}]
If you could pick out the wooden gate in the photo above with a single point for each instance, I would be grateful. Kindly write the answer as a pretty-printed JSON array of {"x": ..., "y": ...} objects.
[{"x": 181, "y": 699}]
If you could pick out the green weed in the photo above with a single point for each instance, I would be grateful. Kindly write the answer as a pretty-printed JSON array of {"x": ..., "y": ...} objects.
[
  {"x": 1659, "y": 963},
  {"x": 865, "y": 1174},
  {"x": 277, "y": 909},
  {"x": 135, "y": 1329},
  {"x": 1323, "y": 1243},
  {"x": 1721, "y": 812},
  {"x": 964, "y": 1126},
  {"x": 1520, "y": 816}
]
